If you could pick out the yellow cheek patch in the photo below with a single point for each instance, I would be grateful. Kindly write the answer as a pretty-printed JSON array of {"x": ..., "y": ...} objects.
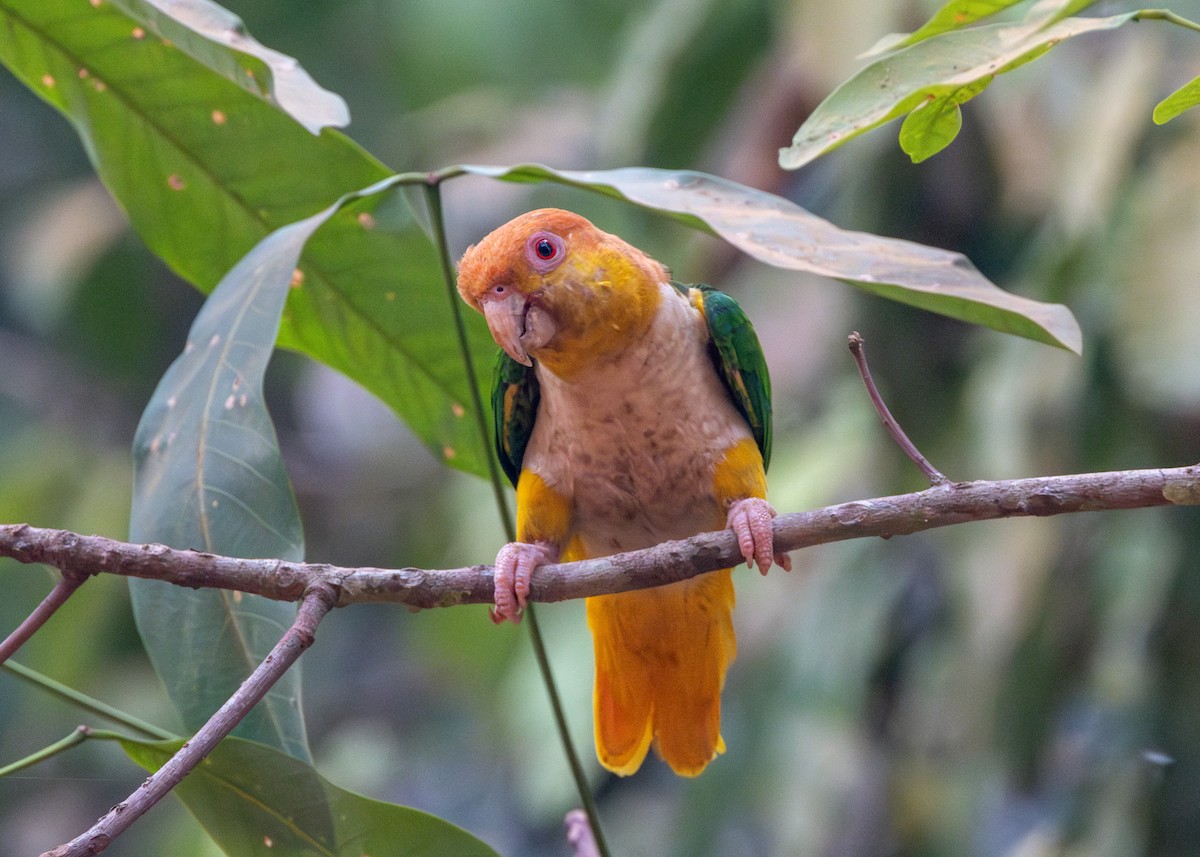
[
  {"x": 740, "y": 473},
  {"x": 605, "y": 298},
  {"x": 543, "y": 514}
]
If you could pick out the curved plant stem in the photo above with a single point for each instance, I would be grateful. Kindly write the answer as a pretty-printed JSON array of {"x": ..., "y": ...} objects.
[
  {"x": 434, "y": 200},
  {"x": 1168, "y": 16},
  {"x": 77, "y": 736},
  {"x": 437, "y": 222},
  {"x": 560, "y": 718},
  {"x": 87, "y": 703}
]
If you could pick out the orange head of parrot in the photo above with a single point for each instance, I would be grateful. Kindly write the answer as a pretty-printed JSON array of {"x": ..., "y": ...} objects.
[{"x": 553, "y": 287}]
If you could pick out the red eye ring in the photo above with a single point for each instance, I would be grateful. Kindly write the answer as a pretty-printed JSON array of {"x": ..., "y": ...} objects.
[{"x": 545, "y": 251}]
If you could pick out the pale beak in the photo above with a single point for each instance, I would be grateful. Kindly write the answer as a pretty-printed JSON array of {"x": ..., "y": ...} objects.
[{"x": 506, "y": 320}]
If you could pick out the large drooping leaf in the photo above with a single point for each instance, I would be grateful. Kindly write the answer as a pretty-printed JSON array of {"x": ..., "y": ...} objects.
[
  {"x": 204, "y": 30},
  {"x": 208, "y": 470},
  {"x": 254, "y": 800},
  {"x": 201, "y": 144},
  {"x": 196, "y": 149},
  {"x": 371, "y": 301},
  {"x": 208, "y": 476},
  {"x": 935, "y": 74},
  {"x": 781, "y": 233}
]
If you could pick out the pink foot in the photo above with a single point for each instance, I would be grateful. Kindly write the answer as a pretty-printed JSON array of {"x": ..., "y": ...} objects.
[
  {"x": 750, "y": 520},
  {"x": 514, "y": 568}
]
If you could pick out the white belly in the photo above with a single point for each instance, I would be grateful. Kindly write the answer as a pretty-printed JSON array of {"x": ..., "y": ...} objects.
[{"x": 635, "y": 443}]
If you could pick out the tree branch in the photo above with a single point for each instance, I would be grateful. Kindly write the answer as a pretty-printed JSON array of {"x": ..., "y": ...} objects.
[
  {"x": 322, "y": 587},
  {"x": 939, "y": 506},
  {"x": 317, "y": 601}
]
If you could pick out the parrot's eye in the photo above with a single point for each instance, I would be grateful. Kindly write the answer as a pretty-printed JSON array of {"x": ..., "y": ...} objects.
[{"x": 544, "y": 251}]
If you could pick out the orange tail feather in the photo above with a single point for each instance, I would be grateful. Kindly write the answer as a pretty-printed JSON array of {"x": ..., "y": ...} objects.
[{"x": 661, "y": 656}]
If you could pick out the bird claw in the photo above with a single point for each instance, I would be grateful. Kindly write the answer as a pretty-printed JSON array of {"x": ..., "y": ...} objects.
[
  {"x": 514, "y": 570},
  {"x": 750, "y": 520}
]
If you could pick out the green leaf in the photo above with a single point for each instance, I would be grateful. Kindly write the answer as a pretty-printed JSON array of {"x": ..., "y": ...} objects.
[
  {"x": 208, "y": 476},
  {"x": 1184, "y": 98},
  {"x": 206, "y": 32},
  {"x": 175, "y": 124},
  {"x": 371, "y": 302},
  {"x": 939, "y": 67},
  {"x": 933, "y": 125},
  {"x": 930, "y": 128},
  {"x": 781, "y": 233},
  {"x": 208, "y": 472},
  {"x": 368, "y": 298},
  {"x": 254, "y": 800}
]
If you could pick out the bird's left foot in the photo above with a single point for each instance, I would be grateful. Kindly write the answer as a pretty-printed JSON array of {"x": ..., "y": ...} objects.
[
  {"x": 750, "y": 520},
  {"x": 514, "y": 570}
]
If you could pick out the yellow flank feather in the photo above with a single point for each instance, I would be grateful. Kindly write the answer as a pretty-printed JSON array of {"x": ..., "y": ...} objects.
[
  {"x": 615, "y": 305},
  {"x": 543, "y": 514},
  {"x": 740, "y": 473}
]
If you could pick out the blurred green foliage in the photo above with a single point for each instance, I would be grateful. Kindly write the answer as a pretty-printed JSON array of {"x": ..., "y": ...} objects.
[{"x": 1018, "y": 687}]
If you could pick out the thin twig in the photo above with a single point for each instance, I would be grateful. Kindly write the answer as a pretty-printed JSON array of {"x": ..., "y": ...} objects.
[
  {"x": 590, "y": 811},
  {"x": 935, "y": 476},
  {"x": 433, "y": 198},
  {"x": 902, "y": 514},
  {"x": 317, "y": 602},
  {"x": 41, "y": 614}
]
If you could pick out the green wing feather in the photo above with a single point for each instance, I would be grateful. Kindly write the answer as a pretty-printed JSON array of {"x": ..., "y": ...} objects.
[
  {"x": 740, "y": 362},
  {"x": 515, "y": 395}
]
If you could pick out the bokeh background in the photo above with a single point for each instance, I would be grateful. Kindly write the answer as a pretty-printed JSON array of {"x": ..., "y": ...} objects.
[{"x": 1011, "y": 688}]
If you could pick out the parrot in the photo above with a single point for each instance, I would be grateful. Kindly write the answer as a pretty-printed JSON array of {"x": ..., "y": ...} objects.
[{"x": 628, "y": 410}]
